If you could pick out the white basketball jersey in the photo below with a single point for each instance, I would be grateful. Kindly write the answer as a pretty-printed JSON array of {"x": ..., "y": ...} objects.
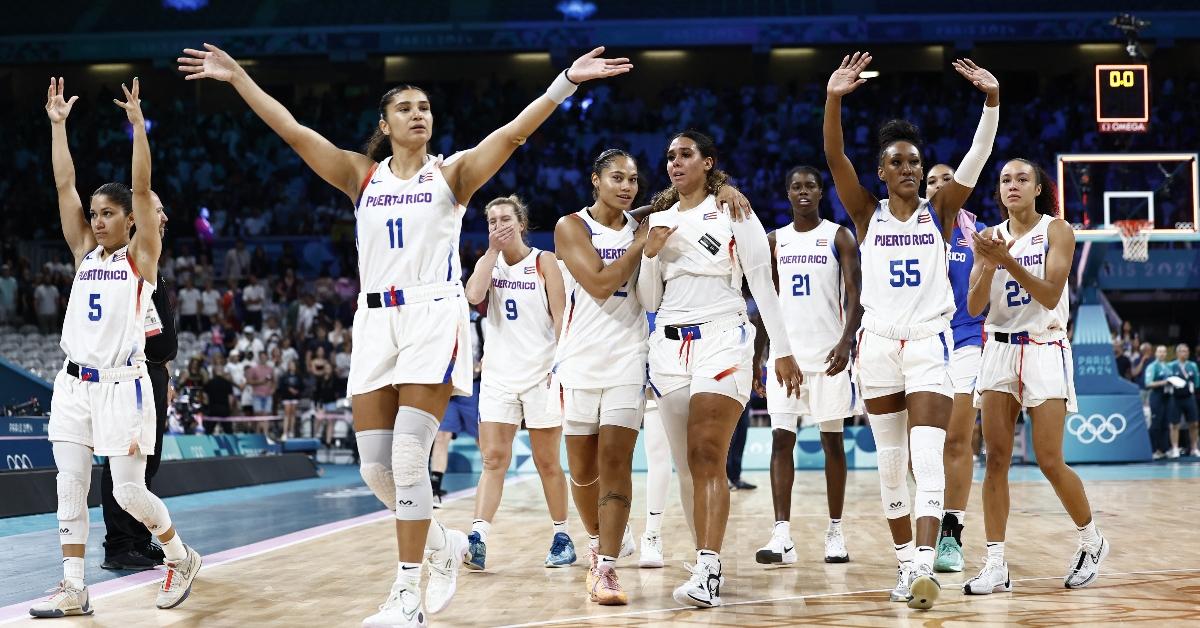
[
  {"x": 811, "y": 291},
  {"x": 603, "y": 342},
  {"x": 407, "y": 230},
  {"x": 1012, "y": 308},
  {"x": 520, "y": 331},
  {"x": 905, "y": 281},
  {"x": 700, "y": 269},
  {"x": 105, "y": 323}
]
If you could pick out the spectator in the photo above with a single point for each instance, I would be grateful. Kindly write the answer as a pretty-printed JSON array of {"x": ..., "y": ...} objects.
[
  {"x": 306, "y": 314},
  {"x": 236, "y": 368},
  {"x": 219, "y": 397},
  {"x": 230, "y": 306},
  {"x": 237, "y": 261},
  {"x": 260, "y": 265},
  {"x": 1183, "y": 403},
  {"x": 320, "y": 339},
  {"x": 287, "y": 289},
  {"x": 291, "y": 387},
  {"x": 341, "y": 364},
  {"x": 189, "y": 307},
  {"x": 1137, "y": 368},
  {"x": 271, "y": 333},
  {"x": 254, "y": 296},
  {"x": 1156, "y": 384},
  {"x": 324, "y": 387},
  {"x": 260, "y": 377},
  {"x": 249, "y": 345},
  {"x": 1124, "y": 366},
  {"x": 338, "y": 334},
  {"x": 288, "y": 352},
  {"x": 210, "y": 302},
  {"x": 45, "y": 304},
  {"x": 8, "y": 294}
]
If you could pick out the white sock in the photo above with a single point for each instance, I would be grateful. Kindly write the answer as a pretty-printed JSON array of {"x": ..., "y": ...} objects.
[
  {"x": 835, "y": 525},
  {"x": 73, "y": 572},
  {"x": 709, "y": 559},
  {"x": 995, "y": 551},
  {"x": 925, "y": 556},
  {"x": 560, "y": 526},
  {"x": 654, "y": 524},
  {"x": 174, "y": 549},
  {"x": 905, "y": 553},
  {"x": 484, "y": 527},
  {"x": 594, "y": 541},
  {"x": 409, "y": 573},
  {"x": 960, "y": 515},
  {"x": 606, "y": 560},
  {"x": 435, "y": 539},
  {"x": 783, "y": 528},
  {"x": 1088, "y": 534}
]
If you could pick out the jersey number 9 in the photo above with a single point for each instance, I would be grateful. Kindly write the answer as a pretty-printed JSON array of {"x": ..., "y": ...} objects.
[{"x": 510, "y": 306}]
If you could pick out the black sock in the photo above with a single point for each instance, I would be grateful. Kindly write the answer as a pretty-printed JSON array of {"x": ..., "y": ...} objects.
[{"x": 435, "y": 478}]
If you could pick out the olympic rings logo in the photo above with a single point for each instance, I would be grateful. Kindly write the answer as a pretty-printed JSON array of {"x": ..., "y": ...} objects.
[
  {"x": 18, "y": 461},
  {"x": 1096, "y": 427}
]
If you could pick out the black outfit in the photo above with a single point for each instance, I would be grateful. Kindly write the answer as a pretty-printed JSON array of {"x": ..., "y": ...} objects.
[
  {"x": 216, "y": 395},
  {"x": 127, "y": 541},
  {"x": 733, "y": 464},
  {"x": 1124, "y": 367}
]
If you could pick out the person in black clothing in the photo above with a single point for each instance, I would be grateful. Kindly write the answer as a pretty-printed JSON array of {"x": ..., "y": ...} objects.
[
  {"x": 218, "y": 391},
  {"x": 1124, "y": 366},
  {"x": 127, "y": 542},
  {"x": 737, "y": 444}
]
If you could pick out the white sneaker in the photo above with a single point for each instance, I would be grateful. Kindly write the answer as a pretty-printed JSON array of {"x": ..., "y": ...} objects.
[
  {"x": 835, "y": 547},
  {"x": 780, "y": 550},
  {"x": 703, "y": 589},
  {"x": 628, "y": 547},
  {"x": 1195, "y": 453},
  {"x": 402, "y": 608},
  {"x": 903, "y": 590},
  {"x": 1086, "y": 565},
  {"x": 178, "y": 583},
  {"x": 1158, "y": 455},
  {"x": 1173, "y": 454},
  {"x": 63, "y": 601},
  {"x": 443, "y": 567},
  {"x": 924, "y": 589},
  {"x": 993, "y": 578},
  {"x": 651, "y": 555}
]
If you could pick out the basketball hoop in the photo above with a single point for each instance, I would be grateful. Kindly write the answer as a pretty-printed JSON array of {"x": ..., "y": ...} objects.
[{"x": 1135, "y": 239}]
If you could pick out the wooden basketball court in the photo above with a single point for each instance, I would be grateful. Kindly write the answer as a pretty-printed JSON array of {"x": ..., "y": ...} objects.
[{"x": 1152, "y": 576}]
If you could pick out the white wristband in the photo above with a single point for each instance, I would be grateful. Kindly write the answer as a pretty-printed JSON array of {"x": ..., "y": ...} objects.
[{"x": 561, "y": 89}]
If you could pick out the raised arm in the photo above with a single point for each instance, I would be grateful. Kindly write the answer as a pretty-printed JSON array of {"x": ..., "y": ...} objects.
[
  {"x": 574, "y": 247},
  {"x": 75, "y": 228},
  {"x": 982, "y": 271},
  {"x": 480, "y": 280},
  {"x": 469, "y": 172},
  {"x": 146, "y": 245},
  {"x": 858, "y": 201},
  {"x": 847, "y": 248},
  {"x": 950, "y": 198},
  {"x": 556, "y": 293},
  {"x": 343, "y": 169}
]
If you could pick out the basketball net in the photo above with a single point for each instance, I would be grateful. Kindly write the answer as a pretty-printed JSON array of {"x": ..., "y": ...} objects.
[{"x": 1135, "y": 239}]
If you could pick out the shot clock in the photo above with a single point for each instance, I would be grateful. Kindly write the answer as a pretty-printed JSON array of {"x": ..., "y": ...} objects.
[{"x": 1123, "y": 98}]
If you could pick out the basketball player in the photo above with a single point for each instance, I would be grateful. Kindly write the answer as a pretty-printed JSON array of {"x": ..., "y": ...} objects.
[
  {"x": 412, "y": 318},
  {"x": 524, "y": 291},
  {"x": 964, "y": 368},
  {"x": 815, "y": 265},
  {"x": 701, "y": 356},
  {"x": 100, "y": 403},
  {"x": 1020, "y": 278},
  {"x": 904, "y": 346}
]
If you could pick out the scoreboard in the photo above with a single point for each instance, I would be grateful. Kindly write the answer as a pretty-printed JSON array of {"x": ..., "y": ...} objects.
[{"x": 1123, "y": 98}]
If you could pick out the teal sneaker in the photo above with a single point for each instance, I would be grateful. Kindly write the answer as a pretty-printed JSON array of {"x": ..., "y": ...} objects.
[
  {"x": 478, "y": 552},
  {"x": 562, "y": 551},
  {"x": 949, "y": 556}
]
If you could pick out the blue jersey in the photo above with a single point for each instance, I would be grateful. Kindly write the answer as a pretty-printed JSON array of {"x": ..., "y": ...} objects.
[{"x": 968, "y": 330}]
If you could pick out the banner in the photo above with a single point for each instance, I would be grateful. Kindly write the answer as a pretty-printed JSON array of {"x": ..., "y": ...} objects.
[
  {"x": 1107, "y": 428},
  {"x": 22, "y": 454}
]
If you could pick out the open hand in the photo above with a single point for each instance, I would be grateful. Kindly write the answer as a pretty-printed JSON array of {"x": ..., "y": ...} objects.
[
  {"x": 845, "y": 79},
  {"x": 58, "y": 108},
  {"x": 132, "y": 104},
  {"x": 212, "y": 62},
  {"x": 979, "y": 77},
  {"x": 593, "y": 66},
  {"x": 734, "y": 202},
  {"x": 657, "y": 239}
]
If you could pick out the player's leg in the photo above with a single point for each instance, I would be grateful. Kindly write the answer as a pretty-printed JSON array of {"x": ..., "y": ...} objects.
[
  {"x": 621, "y": 410},
  {"x": 658, "y": 484},
  {"x": 544, "y": 442},
  {"x": 959, "y": 465},
  {"x": 74, "y": 463},
  {"x": 780, "y": 549},
  {"x": 999, "y": 410},
  {"x": 888, "y": 420},
  {"x": 834, "y": 447},
  {"x": 495, "y": 446}
]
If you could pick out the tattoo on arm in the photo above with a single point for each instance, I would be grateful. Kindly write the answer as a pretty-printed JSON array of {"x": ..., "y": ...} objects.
[{"x": 617, "y": 497}]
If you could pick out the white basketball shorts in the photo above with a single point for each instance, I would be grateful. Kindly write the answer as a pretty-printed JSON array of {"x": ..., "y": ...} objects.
[
  {"x": 887, "y": 366},
  {"x": 703, "y": 363},
  {"x": 964, "y": 368},
  {"x": 822, "y": 398},
  {"x": 418, "y": 343},
  {"x": 107, "y": 417},
  {"x": 1031, "y": 373},
  {"x": 500, "y": 406}
]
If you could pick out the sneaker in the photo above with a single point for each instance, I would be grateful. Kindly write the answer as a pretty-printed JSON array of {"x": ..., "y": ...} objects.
[
  {"x": 63, "y": 601},
  {"x": 589, "y": 580},
  {"x": 741, "y": 485},
  {"x": 178, "y": 583},
  {"x": 949, "y": 548},
  {"x": 1086, "y": 565},
  {"x": 153, "y": 552},
  {"x": 993, "y": 578},
  {"x": 606, "y": 589},
  {"x": 1158, "y": 455},
  {"x": 627, "y": 544},
  {"x": 904, "y": 576},
  {"x": 131, "y": 560},
  {"x": 402, "y": 608},
  {"x": 703, "y": 589},
  {"x": 651, "y": 556},
  {"x": 835, "y": 547},
  {"x": 924, "y": 590},
  {"x": 780, "y": 550},
  {"x": 562, "y": 551},
  {"x": 478, "y": 555},
  {"x": 1195, "y": 453},
  {"x": 443, "y": 567},
  {"x": 1173, "y": 454},
  {"x": 437, "y": 500}
]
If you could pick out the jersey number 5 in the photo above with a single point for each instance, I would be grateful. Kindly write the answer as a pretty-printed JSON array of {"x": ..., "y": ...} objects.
[
  {"x": 906, "y": 276},
  {"x": 395, "y": 233},
  {"x": 94, "y": 310}
]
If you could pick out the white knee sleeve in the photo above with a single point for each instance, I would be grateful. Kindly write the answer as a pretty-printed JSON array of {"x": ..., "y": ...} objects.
[
  {"x": 891, "y": 446},
  {"x": 72, "y": 509},
  {"x": 673, "y": 410},
  {"x": 927, "y": 443},
  {"x": 658, "y": 461},
  {"x": 412, "y": 441},
  {"x": 375, "y": 464},
  {"x": 144, "y": 506}
]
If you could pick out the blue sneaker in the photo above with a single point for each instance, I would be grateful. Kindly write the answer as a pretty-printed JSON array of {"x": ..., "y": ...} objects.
[
  {"x": 478, "y": 553},
  {"x": 562, "y": 551}
]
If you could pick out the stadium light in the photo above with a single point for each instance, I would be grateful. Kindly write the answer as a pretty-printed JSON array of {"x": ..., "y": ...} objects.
[
  {"x": 185, "y": 5},
  {"x": 576, "y": 9},
  {"x": 663, "y": 55}
]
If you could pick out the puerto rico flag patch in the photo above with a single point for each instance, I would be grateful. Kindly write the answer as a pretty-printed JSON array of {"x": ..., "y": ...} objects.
[
  {"x": 529, "y": 270},
  {"x": 425, "y": 177},
  {"x": 925, "y": 217},
  {"x": 1038, "y": 239},
  {"x": 710, "y": 216},
  {"x": 823, "y": 242}
]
